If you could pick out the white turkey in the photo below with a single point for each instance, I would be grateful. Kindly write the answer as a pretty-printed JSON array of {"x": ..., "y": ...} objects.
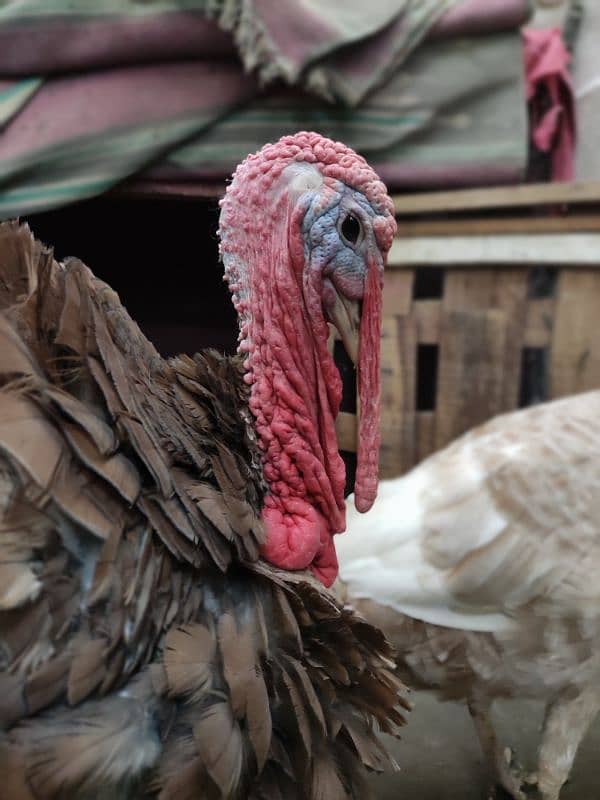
[{"x": 482, "y": 565}]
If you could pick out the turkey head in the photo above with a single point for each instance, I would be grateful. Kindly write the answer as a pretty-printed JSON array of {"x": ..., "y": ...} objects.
[{"x": 305, "y": 229}]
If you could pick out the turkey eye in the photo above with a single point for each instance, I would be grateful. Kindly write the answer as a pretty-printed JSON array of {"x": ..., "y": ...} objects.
[{"x": 350, "y": 229}]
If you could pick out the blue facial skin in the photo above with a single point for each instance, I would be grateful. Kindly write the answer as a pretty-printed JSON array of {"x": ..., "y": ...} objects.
[{"x": 327, "y": 249}]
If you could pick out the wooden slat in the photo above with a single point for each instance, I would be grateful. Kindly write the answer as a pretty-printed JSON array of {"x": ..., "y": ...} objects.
[
  {"x": 397, "y": 292},
  {"x": 502, "y": 289},
  {"x": 575, "y": 355},
  {"x": 539, "y": 322},
  {"x": 498, "y": 197},
  {"x": 345, "y": 426},
  {"x": 466, "y": 289},
  {"x": 503, "y": 225},
  {"x": 471, "y": 368},
  {"x": 425, "y": 434},
  {"x": 566, "y": 249},
  {"x": 510, "y": 296},
  {"x": 427, "y": 317},
  {"x": 398, "y": 363}
]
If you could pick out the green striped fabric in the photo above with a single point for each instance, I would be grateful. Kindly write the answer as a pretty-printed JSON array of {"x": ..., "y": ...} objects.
[
  {"x": 99, "y": 109},
  {"x": 22, "y": 10}
]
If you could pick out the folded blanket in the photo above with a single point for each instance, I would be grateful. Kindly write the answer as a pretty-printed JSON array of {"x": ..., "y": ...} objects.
[
  {"x": 454, "y": 114},
  {"x": 92, "y": 94},
  {"x": 339, "y": 50}
]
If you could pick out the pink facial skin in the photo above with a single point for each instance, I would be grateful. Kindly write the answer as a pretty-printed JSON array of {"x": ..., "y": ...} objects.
[{"x": 295, "y": 385}]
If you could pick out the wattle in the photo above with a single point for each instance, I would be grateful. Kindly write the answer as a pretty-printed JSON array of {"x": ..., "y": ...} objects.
[{"x": 299, "y": 537}]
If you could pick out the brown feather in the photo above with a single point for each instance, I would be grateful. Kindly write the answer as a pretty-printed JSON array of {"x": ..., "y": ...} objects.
[
  {"x": 325, "y": 783},
  {"x": 286, "y": 619},
  {"x": 116, "y": 470},
  {"x": 47, "y": 683},
  {"x": 15, "y": 358},
  {"x": 99, "y": 743},
  {"x": 18, "y": 584},
  {"x": 258, "y": 717},
  {"x": 87, "y": 670},
  {"x": 210, "y": 502},
  {"x": 310, "y": 696},
  {"x": 86, "y": 502},
  {"x": 101, "y": 434},
  {"x": 30, "y": 439},
  {"x": 12, "y": 699},
  {"x": 188, "y": 660},
  {"x": 14, "y": 785},
  {"x": 297, "y": 708},
  {"x": 239, "y": 660},
  {"x": 105, "y": 568},
  {"x": 114, "y": 364},
  {"x": 220, "y": 745},
  {"x": 182, "y": 774},
  {"x": 70, "y": 330}
]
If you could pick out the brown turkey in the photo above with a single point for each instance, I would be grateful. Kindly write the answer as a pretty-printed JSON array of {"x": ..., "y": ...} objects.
[{"x": 161, "y": 633}]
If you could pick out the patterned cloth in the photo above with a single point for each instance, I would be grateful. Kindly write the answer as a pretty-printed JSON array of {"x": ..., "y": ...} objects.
[
  {"x": 551, "y": 98},
  {"x": 91, "y": 94}
]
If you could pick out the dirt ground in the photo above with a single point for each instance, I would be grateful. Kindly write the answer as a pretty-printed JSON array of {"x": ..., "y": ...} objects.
[{"x": 440, "y": 758}]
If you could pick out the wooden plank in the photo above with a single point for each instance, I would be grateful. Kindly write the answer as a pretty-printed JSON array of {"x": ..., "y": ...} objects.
[
  {"x": 575, "y": 354},
  {"x": 504, "y": 290},
  {"x": 498, "y": 197},
  {"x": 427, "y": 318},
  {"x": 568, "y": 249},
  {"x": 510, "y": 296},
  {"x": 398, "y": 360},
  {"x": 539, "y": 322},
  {"x": 466, "y": 289},
  {"x": 346, "y": 428},
  {"x": 471, "y": 371},
  {"x": 499, "y": 225},
  {"x": 397, "y": 292},
  {"x": 425, "y": 434}
]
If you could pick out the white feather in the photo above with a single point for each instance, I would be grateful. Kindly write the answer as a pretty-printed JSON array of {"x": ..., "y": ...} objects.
[{"x": 504, "y": 516}]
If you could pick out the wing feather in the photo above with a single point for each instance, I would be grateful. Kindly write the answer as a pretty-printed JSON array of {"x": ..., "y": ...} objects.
[
  {"x": 505, "y": 517},
  {"x": 143, "y": 643}
]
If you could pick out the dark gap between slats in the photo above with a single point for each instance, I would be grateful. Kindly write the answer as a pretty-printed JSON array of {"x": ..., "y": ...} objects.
[
  {"x": 534, "y": 376},
  {"x": 427, "y": 369},
  {"x": 428, "y": 283},
  {"x": 350, "y": 462},
  {"x": 348, "y": 373},
  {"x": 541, "y": 282}
]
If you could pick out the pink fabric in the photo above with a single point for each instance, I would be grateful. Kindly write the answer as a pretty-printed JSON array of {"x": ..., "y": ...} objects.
[{"x": 546, "y": 66}]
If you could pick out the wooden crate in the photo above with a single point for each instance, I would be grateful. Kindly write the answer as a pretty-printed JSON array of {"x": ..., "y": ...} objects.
[{"x": 483, "y": 315}]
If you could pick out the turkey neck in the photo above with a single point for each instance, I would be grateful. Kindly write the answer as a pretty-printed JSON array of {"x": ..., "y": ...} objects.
[{"x": 295, "y": 394}]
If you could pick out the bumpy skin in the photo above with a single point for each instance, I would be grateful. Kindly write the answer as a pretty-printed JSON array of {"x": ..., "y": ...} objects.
[
  {"x": 278, "y": 264},
  {"x": 145, "y": 650}
]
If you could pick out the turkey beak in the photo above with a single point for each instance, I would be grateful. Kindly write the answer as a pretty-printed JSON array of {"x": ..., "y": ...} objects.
[{"x": 345, "y": 315}]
